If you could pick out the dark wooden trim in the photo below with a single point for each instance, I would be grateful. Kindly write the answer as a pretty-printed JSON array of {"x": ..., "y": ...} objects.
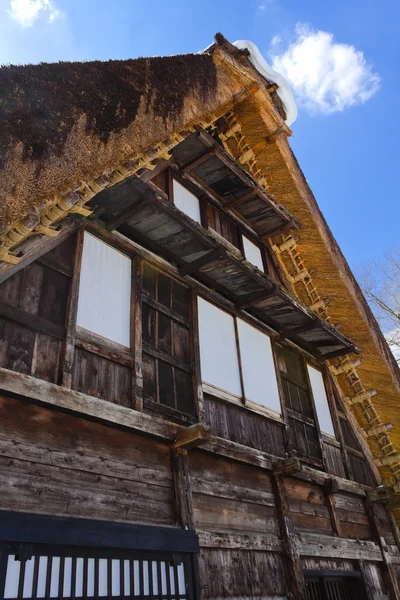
[
  {"x": 176, "y": 362},
  {"x": 194, "y": 266},
  {"x": 170, "y": 412},
  {"x": 46, "y": 529},
  {"x": 195, "y": 356},
  {"x": 136, "y": 331},
  {"x": 182, "y": 489},
  {"x": 31, "y": 321},
  {"x": 48, "y": 260},
  {"x": 326, "y": 573},
  {"x": 239, "y": 358},
  {"x": 72, "y": 312},
  {"x": 88, "y": 341},
  {"x": 166, "y": 311},
  {"x": 296, "y": 583}
]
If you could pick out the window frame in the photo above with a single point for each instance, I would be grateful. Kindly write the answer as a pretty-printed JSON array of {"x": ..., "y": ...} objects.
[{"x": 222, "y": 394}]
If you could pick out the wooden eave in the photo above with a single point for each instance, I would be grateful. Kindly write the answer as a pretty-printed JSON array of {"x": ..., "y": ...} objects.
[
  {"x": 202, "y": 160},
  {"x": 140, "y": 211}
]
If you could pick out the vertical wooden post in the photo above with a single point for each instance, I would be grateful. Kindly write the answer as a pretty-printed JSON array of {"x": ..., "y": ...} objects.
[
  {"x": 239, "y": 360},
  {"x": 72, "y": 311},
  {"x": 332, "y": 405},
  {"x": 136, "y": 331},
  {"x": 390, "y": 574},
  {"x": 316, "y": 420},
  {"x": 366, "y": 580},
  {"x": 296, "y": 583},
  {"x": 330, "y": 488},
  {"x": 195, "y": 355},
  {"x": 182, "y": 489}
]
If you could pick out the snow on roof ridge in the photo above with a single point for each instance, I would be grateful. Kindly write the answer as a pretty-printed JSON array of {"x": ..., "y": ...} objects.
[{"x": 284, "y": 90}]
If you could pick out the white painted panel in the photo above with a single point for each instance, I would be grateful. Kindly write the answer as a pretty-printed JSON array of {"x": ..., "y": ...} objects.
[
  {"x": 136, "y": 580},
  {"x": 90, "y": 577},
  {"x": 41, "y": 584},
  {"x": 127, "y": 578},
  {"x": 252, "y": 253},
  {"x": 163, "y": 578},
  {"x": 218, "y": 353},
  {"x": 154, "y": 577},
  {"x": 79, "y": 578},
  {"x": 12, "y": 577},
  {"x": 105, "y": 291},
  {"x": 55, "y": 574},
  {"x": 258, "y": 368},
  {"x": 181, "y": 579},
  {"x": 103, "y": 579},
  {"x": 186, "y": 201},
  {"x": 321, "y": 401},
  {"x": 67, "y": 577},
  {"x": 145, "y": 577},
  {"x": 28, "y": 580},
  {"x": 115, "y": 578}
]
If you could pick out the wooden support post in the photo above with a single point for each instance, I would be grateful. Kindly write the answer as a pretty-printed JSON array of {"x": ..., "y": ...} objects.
[
  {"x": 195, "y": 356},
  {"x": 182, "y": 489},
  {"x": 390, "y": 574},
  {"x": 136, "y": 331},
  {"x": 370, "y": 591},
  {"x": 296, "y": 583},
  {"x": 288, "y": 466},
  {"x": 331, "y": 487},
  {"x": 72, "y": 311}
]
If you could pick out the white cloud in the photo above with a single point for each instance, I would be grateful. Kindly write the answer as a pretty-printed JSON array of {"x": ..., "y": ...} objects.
[
  {"x": 264, "y": 4},
  {"x": 327, "y": 77},
  {"x": 27, "y": 11}
]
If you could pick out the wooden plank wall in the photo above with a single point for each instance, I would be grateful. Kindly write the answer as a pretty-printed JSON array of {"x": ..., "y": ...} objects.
[
  {"x": 53, "y": 463},
  {"x": 244, "y": 427},
  {"x": 235, "y": 516}
]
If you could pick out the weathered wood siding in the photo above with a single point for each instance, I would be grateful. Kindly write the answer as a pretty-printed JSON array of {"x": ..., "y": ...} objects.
[
  {"x": 244, "y": 427},
  {"x": 54, "y": 463}
]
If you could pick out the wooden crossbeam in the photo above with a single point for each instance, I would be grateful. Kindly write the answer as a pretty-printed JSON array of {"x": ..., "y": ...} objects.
[
  {"x": 124, "y": 216},
  {"x": 199, "y": 160},
  {"x": 202, "y": 261},
  {"x": 288, "y": 466},
  {"x": 254, "y": 298},
  {"x": 246, "y": 196},
  {"x": 192, "y": 436},
  {"x": 290, "y": 331}
]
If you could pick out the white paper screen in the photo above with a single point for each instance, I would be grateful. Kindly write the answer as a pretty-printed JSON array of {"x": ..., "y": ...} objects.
[
  {"x": 218, "y": 353},
  {"x": 321, "y": 401},
  {"x": 252, "y": 253},
  {"x": 186, "y": 202},
  {"x": 258, "y": 368},
  {"x": 105, "y": 291}
]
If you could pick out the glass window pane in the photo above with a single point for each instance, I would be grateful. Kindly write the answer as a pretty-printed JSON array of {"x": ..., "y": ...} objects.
[{"x": 252, "y": 253}]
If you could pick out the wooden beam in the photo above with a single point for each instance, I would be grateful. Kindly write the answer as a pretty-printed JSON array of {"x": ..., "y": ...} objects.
[
  {"x": 136, "y": 337},
  {"x": 31, "y": 321},
  {"x": 288, "y": 466},
  {"x": 124, "y": 215},
  {"x": 50, "y": 395},
  {"x": 237, "y": 541},
  {"x": 331, "y": 487},
  {"x": 194, "y": 266},
  {"x": 252, "y": 299},
  {"x": 324, "y": 546},
  {"x": 193, "y": 436},
  {"x": 72, "y": 312},
  {"x": 199, "y": 160},
  {"x": 242, "y": 198}
]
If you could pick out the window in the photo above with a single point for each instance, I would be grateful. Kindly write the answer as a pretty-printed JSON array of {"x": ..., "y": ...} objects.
[
  {"x": 105, "y": 291},
  {"x": 186, "y": 201},
  {"x": 167, "y": 365},
  {"x": 303, "y": 435},
  {"x": 252, "y": 253},
  {"x": 219, "y": 357},
  {"x": 218, "y": 351},
  {"x": 331, "y": 586},
  {"x": 321, "y": 401},
  {"x": 258, "y": 368}
]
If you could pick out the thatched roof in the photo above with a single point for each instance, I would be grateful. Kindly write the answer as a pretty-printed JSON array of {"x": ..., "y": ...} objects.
[{"x": 66, "y": 125}]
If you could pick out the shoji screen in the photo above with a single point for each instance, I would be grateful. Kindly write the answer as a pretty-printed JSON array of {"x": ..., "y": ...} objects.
[
  {"x": 258, "y": 368},
  {"x": 105, "y": 291},
  {"x": 252, "y": 253},
  {"x": 186, "y": 201},
  {"x": 321, "y": 401},
  {"x": 218, "y": 351}
]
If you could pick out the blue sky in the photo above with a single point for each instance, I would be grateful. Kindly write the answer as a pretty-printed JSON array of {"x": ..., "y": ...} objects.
[{"x": 345, "y": 137}]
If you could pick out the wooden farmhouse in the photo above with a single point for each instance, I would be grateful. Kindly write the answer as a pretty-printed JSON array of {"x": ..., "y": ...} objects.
[{"x": 195, "y": 399}]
